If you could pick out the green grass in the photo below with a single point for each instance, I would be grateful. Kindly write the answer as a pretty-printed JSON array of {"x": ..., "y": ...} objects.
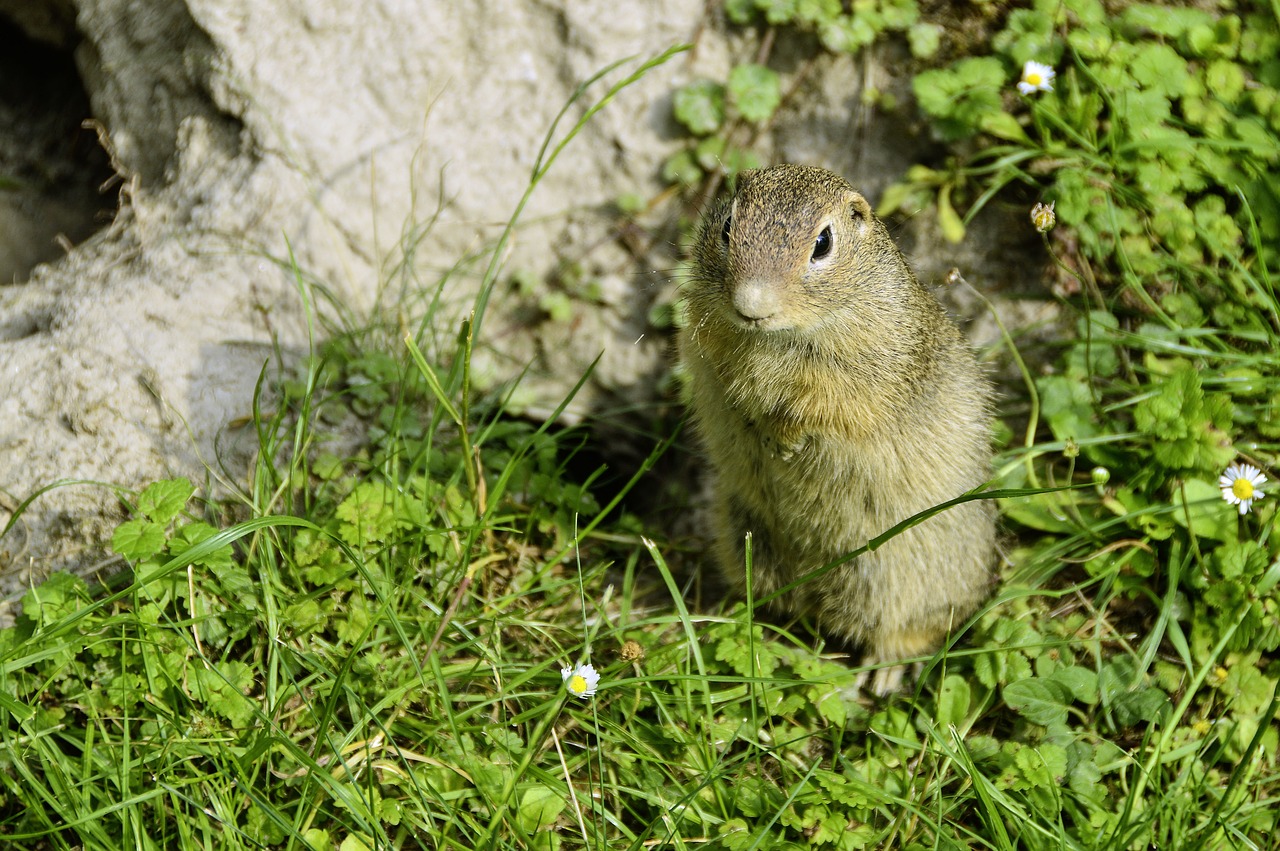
[{"x": 364, "y": 650}]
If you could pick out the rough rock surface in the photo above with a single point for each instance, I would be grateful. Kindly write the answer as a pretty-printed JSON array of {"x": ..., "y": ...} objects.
[
  {"x": 334, "y": 125},
  {"x": 341, "y": 128}
]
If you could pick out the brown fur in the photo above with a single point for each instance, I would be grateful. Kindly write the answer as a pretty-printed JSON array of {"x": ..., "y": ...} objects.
[{"x": 835, "y": 399}]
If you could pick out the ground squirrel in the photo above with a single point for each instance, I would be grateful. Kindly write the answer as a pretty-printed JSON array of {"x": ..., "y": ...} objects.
[{"x": 835, "y": 399}]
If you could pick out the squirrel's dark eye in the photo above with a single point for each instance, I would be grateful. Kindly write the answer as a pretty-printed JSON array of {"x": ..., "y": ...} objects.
[
  {"x": 822, "y": 245},
  {"x": 725, "y": 233}
]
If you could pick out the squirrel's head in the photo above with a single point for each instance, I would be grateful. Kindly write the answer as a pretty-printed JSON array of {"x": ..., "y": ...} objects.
[{"x": 793, "y": 248}]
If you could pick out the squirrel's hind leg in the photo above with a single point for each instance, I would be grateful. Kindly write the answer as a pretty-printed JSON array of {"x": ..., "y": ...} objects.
[{"x": 893, "y": 647}]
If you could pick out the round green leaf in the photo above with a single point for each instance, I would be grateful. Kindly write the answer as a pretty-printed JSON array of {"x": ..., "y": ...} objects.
[
  {"x": 953, "y": 700},
  {"x": 539, "y": 808},
  {"x": 138, "y": 539},
  {"x": 924, "y": 39},
  {"x": 163, "y": 500},
  {"x": 1040, "y": 701},
  {"x": 756, "y": 91},
  {"x": 700, "y": 107}
]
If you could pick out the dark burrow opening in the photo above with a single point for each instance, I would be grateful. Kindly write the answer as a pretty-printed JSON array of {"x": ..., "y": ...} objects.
[{"x": 54, "y": 176}]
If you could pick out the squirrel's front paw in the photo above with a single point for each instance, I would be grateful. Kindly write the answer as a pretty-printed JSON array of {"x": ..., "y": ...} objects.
[
  {"x": 781, "y": 443},
  {"x": 784, "y": 447}
]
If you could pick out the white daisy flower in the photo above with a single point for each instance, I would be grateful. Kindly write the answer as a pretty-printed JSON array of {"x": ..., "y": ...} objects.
[
  {"x": 1036, "y": 77},
  {"x": 1240, "y": 485},
  {"x": 580, "y": 681}
]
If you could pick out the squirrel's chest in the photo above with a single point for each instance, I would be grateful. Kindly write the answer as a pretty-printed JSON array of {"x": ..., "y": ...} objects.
[
  {"x": 781, "y": 401},
  {"x": 815, "y": 482},
  {"x": 798, "y": 463},
  {"x": 777, "y": 451}
]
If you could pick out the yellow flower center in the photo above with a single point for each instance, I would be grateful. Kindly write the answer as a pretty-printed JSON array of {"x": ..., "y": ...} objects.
[
  {"x": 1034, "y": 78},
  {"x": 1242, "y": 488},
  {"x": 577, "y": 684}
]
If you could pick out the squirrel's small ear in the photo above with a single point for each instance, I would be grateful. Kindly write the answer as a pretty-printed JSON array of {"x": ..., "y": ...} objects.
[
  {"x": 744, "y": 177},
  {"x": 859, "y": 206}
]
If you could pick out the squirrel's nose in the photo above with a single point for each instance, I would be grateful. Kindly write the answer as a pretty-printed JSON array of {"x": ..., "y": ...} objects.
[{"x": 755, "y": 300}]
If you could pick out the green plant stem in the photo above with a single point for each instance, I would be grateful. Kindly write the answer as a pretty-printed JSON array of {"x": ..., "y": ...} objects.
[
  {"x": 1170, "y": 726},
  {"x": 1264, "y": 724},
  {"x": 459, "y": 417},
  {"x": 532, "y": 749},
  {"x": 1033, "y": 396},
  {"x": 544, "y": 162}
]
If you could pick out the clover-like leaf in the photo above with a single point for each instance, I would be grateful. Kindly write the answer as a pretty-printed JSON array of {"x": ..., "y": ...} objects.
[
  {"x": 1039, "y": 700},
  {"x": 367, "y": 514},
  {"x": 60, "y": 595},
  {"x": 197, "y": 532},
  {"x": 1159, "y": 68},
  {"x": 1067, "y": 405},
  {"x": 1081, "y": 682},
  {"x": 699, "y": 106},
  {"x": 539, "y": 807},
  {"x": 163, "y": 500},
  {"x": 749, "y": 656},
  {"x": 961, "y": 97},
  {"x": 222, "y": 690},
  {"x": 138, "y": 539},
  {"x": 924, "y": 39},
  {"x": 756, "y": 91},
  {"x": 735, "y": 834}
]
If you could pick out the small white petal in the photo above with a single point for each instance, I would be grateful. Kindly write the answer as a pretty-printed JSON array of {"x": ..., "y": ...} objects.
[
  {"x": 581, "y": 681},
  {"x": 1240, "y": 485},
  {"x": 1036, "y": 77}
]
